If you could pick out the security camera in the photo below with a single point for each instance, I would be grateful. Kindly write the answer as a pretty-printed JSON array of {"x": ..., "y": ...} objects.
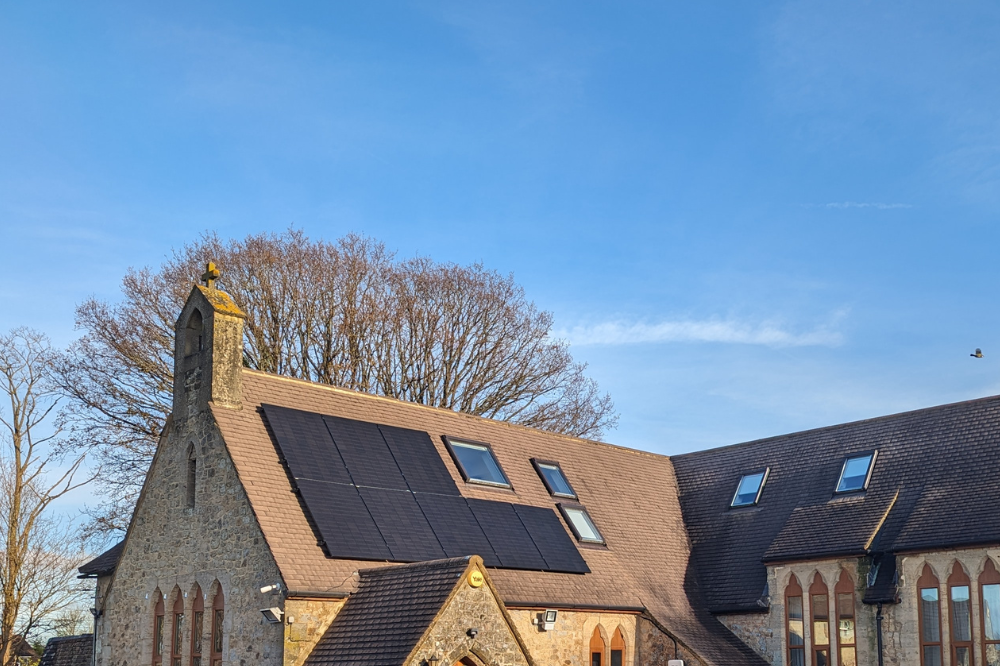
[
  {"x": 273, "y": 615},
  {"x": 274, "y": 587}
]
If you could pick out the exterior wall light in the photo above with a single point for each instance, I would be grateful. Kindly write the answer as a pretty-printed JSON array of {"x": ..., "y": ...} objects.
[{"x": 273, "y": 615}]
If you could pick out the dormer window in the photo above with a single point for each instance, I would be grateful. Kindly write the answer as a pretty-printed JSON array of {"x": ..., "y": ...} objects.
[
  {"x": 553, "y": 478},
  {"x": 856, "y": 472},
  {"x": 477, "y": 463},
  {"x": 749, "y": 488}
]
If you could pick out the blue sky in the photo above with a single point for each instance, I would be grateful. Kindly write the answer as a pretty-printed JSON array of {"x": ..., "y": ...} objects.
[{"x": 748, "y": 218}]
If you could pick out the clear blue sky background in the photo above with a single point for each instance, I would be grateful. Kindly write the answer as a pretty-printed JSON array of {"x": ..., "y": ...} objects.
[{"x": 749, "y": 218}]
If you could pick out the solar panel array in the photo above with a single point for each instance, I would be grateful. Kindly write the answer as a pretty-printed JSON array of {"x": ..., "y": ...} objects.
[{"x": 376, "y": 492}]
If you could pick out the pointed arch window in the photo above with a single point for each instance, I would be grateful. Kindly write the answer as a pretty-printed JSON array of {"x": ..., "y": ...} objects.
[
  {"x": 193, "y": 333},
  {"x": 197, "y": 626},
  {"x": 177, "y": 631},
  {"x": 192, "y": 475},
  {"x": 158, "y": 615},
  {"x": 819, "y": 606},
  {"x": 960, "y": 605},
  {"x": 846, "y": 626},
  {"x": 218, "y": 616},
  {"x": 989, "y": 589},
  {"x": 930, "y": 618},
  {"x": 618, "y": 648},
  {"x": 795, "y": 629},
  {"x": 597, "y": 648}
]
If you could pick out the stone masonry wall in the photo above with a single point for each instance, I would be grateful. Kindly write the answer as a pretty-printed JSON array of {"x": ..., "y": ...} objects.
[
  {"x": 568, "y": 644},
  {"x": 655, "y": 648},
  {"x": 306, "y": 622},
  {"x": 172, "y": 547},
  {"x": 448, "y": 640},
  {"x": 765, "y": 632}
]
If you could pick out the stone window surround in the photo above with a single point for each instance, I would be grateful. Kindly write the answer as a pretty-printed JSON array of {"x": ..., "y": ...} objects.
[{"x": 178, "y": 587}]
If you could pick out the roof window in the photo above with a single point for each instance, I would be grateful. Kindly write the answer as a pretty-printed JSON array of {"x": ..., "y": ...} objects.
[
  {"x": 553, "y": 478},
  {"x": 856, "y": 472},
  {"x": 749, "y": 488},
  {"x": 477, "y": 463},
  {"x": 579, "y": 521}
]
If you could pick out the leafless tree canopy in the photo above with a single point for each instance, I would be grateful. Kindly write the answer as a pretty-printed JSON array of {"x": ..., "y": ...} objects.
[
  {"x": 37, "y": 563},
  {"x": 347, "y": 313}
]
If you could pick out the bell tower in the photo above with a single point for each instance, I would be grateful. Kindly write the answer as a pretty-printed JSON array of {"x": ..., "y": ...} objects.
[{"x": 208, "y": 350}]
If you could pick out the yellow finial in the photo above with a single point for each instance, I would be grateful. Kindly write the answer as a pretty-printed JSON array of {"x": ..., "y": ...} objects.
[{"x": 211, "y": 275}]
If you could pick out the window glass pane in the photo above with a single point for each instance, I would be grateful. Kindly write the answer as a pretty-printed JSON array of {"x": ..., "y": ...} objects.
[
  {"x": 795, "y": 626},
  {"x": 178, "y": 624},
  {"x": 197, "y": 628},
  {"x": 557, "y": 482},
  {"x": 993, "y": 655},
  {"x": 798, "y": 657},
  {"x": 846, "y": 628},
  {"x": 821, "y": 632},
  {"x": 854, "y": 474},
  {"x": 478, "y": 463},
  {"x": 848, "y": 657},
  {"x": 583, "y": 525},
  {"x": 845, "y": 605},
  {"x": 932, "y": 655},
  {"x": 217, "y": 631},
  {"x": 616, "y": 658},
  {"x": 991, "y": 611},
  {"x": 158, "y": 636},
  {"x": 962, "y": 656},
  {"x": 961, "y": 628},
  {"x": 595, "y": 659},
  {"x": 845, "y": 623},
  {"x": 746, "y": 491},
  {"x": 820, "y": 606},
  {"x": 822, "y": 658},
  {"x": 931, "y": 629}
]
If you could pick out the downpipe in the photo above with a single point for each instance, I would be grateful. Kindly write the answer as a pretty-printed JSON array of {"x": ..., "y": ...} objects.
[{"x": 878, "y": 632}]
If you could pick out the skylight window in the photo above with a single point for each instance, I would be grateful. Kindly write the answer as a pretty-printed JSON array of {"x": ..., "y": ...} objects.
[
  {"x": 553, "y": 478},
  {"x": 856, "y": 473},
  {"x": 477, "y": 463},
  {"x": 748, "y": 489},
  {"x": 579, "y": 521}
]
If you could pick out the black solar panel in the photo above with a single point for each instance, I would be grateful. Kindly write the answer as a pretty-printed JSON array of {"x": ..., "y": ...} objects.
[
  {"x": 402, "y": 524},
  {"x": 510, "y": 540},
  {"x": 365, "y": 453},
  {"x": 344, "y": 523},
  {"x": 306, "y": 445},
  {"x": 551, "y": 539},
  {"x": 419, "y": 461},
  {"x": 456, "y": 528}
]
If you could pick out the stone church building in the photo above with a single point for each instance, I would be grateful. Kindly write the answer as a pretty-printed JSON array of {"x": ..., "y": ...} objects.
[{"x": 286, "y": 523}]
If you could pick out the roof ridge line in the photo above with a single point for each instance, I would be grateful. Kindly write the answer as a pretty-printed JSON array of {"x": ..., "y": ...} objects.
[
  {"x": 444, "y": 410},
  {"x": 838, "y": 426}
]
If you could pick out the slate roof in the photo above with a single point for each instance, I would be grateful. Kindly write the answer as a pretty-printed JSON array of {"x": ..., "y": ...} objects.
[
  {"x": 381, "y": 623},
  {"x": 934, "y": 485},
  {"x": 69, "y": 651},
  {"x": 631, "y": 495},
  {"x": 103, "y": 564}
]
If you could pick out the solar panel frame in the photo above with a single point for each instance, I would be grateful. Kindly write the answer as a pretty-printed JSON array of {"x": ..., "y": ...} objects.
[
  {"x": 507, "y": 534},
  {"x": 365, "y": 453},
  {"x": 457, "y": 529},
  {"x": 402, "y": 524},
  {"x": 306, "y": 445},
  {"x": 419, "y": 461},
  {"x": 550, "y": 537},
  {"x": 346, "y": 527}
]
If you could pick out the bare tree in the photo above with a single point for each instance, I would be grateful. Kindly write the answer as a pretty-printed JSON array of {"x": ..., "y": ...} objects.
[
  {"x": 347, "y": 313},
  {"x": 35, "y": 567}
]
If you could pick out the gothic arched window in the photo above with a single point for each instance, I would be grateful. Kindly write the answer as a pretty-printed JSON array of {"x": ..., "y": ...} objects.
[
  {"x": 218, "y": 616},
  {"x": 819, "y": 606},
  {"x": 930, "y": 618},
  {"x": 197, "y": 625},
  {"x": 795, "y": 629},
  {"x": 960, "y": 605},
  {"x": 989, "y": 589},
  {"x": 158, "y": 613},
  {"x": 597, "y": 648},
  {"x": 193, "y": 333}
]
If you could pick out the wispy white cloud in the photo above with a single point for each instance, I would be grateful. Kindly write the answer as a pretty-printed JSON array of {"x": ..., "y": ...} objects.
[
  {"x": 730, "y": 331},
  {"x": 856, "y": 204}
]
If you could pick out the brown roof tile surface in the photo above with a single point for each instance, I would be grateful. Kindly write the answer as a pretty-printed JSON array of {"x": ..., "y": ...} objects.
[
  {"x": 69, "y": 651},
  {"x": 381, "y": 623},
  {"x": 631, "y": 495}
]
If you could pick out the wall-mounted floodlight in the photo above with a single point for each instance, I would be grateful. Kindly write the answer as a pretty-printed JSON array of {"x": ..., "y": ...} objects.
[
  {"x": 675, "y": 662},
  {"x": 549, "y": 619},
  {"x": 273, "y": 615}
]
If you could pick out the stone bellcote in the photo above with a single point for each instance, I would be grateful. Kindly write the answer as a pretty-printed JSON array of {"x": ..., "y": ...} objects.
[{"x": 208, "y": 350}]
